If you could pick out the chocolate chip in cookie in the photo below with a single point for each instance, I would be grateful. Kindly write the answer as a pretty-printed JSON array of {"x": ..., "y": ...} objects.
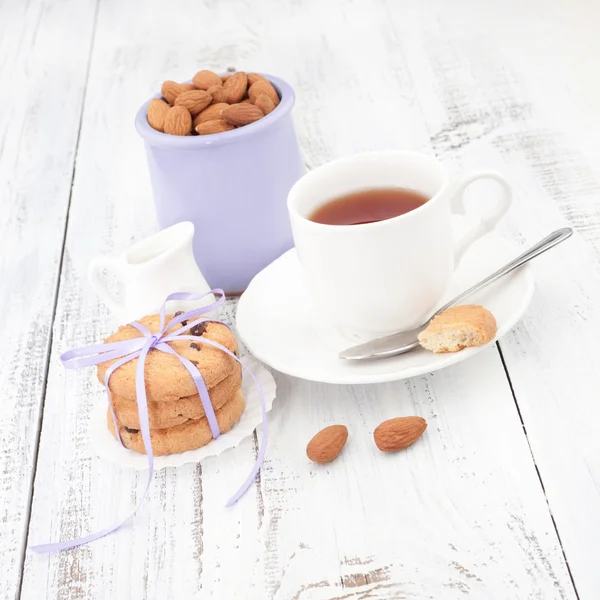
[
  {"x": 195, "y": 346},
  {"x": 198, "y": 329},
  {"x": 167, "y": 379},
  {"x": 180, "y": 312},
  {"x": 130, "y": 430}
]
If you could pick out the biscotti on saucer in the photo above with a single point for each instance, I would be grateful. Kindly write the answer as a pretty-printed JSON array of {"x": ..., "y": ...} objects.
[{"x": 459, "y": 327}]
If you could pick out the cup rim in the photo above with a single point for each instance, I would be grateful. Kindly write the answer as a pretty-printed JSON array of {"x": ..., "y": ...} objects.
[
  {"x": 291, "y": 199},
  {"x": 156, "y": 138}
]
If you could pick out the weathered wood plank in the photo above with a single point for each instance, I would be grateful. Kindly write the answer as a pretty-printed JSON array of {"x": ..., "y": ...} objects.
[
  {"x": 551, "y": 357},
  {"x": 111, "y": 208},
  {"x": 461, "y": 514},
  {"x": 524, "y": 102},
  {"x": 42, "y": 79}
]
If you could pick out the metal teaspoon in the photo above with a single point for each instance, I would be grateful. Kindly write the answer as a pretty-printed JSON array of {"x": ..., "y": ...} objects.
[{"x": 399, "y": 343}]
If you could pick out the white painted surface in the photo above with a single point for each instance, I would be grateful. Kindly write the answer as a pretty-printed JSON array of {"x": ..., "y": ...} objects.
[
  {"x": 42, "y": 82},
  {"x": 461, "y": 514}
]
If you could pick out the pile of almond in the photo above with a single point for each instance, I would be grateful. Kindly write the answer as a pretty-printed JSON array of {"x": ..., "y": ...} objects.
[{"x": 211, "y": 103}]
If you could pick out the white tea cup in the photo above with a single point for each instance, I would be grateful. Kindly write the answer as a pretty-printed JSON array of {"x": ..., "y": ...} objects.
[{"x": 374, "y": 279}]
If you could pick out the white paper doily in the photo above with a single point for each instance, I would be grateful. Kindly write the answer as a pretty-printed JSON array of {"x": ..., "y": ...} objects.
[{"x": 110, "y": 450}]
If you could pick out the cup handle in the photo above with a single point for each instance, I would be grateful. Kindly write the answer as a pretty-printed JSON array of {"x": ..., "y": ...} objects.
[
  {"x": 97, "y": 266},
  {"x": 490, "y": 221}
]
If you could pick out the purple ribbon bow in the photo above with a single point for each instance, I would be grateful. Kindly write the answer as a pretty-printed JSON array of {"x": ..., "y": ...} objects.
[{"x": 127, "y": 350}]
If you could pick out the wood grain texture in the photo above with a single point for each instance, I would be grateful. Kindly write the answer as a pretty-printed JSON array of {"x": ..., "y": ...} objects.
[
  {"x": 521, "y": 102},
  {"x": 42, "y": 78},
  {"x": 462, "y": 513},
  {"x": 451, "y": 515}
]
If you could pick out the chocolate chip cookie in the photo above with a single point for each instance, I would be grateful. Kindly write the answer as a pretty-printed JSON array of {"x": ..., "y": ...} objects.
[
  {"x": 166, "y": 378},
  {"x": 176, "y": 412},
  {"x": 190, "y": 435}
]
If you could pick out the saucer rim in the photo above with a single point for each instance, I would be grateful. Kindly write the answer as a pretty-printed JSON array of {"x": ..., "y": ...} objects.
[{"x": 364, "y": 378}]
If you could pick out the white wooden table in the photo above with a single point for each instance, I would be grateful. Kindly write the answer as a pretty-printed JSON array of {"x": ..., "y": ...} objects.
[{"x": 501, "y": 497}]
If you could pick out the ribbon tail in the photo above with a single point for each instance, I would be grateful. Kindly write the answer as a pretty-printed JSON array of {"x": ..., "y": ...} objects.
[
  {"x": 265, "y": 430},
  {"x": 210, "y": 413},
  {"x": 260, "y": 457},
  {"x": 129, "y": 349},
  {"x": 145, "y": 427},
  {"x": 69, "y": 544}
]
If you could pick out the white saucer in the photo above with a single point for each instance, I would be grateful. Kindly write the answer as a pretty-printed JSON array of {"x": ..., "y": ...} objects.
[{"x": 278, "y": 322}]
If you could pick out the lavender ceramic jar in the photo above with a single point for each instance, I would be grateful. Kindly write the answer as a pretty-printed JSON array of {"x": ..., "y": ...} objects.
[{"x": 233, "y": 186}]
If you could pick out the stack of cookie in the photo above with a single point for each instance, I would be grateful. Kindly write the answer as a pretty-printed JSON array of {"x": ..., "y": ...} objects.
[{"x": 177, "y": 418}]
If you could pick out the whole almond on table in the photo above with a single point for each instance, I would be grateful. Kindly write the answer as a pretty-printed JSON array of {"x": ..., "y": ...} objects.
[
  {"x": 236, "y": 87},
  {"x": 194, "y": 100},
  {"x": 327, "y": 444},
  {"x": 241, "y": 114},
  {"x": 262, "y": 86},
  {"x": 265, "y": 104},
  {"x": 178, "y": 121},
  {"x": 157, "y": 111},
  {"x": 171, "y": 89},
  {"x": 214, "y": 126},
  {"x": 399, "y": 433},
  {"x": 205, "y": 79},
  {"x": 210, "y": 113}
]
